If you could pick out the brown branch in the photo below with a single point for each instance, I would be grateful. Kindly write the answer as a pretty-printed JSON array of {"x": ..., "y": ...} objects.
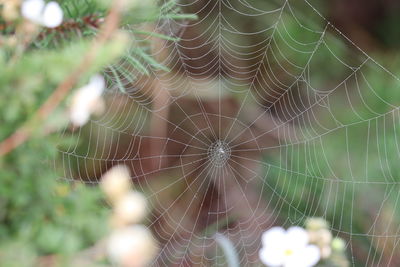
[
  {"x": 93, "y": 21},
  {"x": 23, "y": 133}
]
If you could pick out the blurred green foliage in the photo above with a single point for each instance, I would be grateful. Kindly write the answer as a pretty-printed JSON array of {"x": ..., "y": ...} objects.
[{"x": 40, "y": 215}]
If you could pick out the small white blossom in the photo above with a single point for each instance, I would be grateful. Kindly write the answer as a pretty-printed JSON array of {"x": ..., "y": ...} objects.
[
  {"x": 289, "y": 248},
  {"x": 87, "y": 100},
  {"x": 49, "y": 15},
  {"x": 116, "y": 182},
  {"x": 132, "y": 246},
  {"x": 32, "y": 10},
  {"x": 131, "y": 208}
]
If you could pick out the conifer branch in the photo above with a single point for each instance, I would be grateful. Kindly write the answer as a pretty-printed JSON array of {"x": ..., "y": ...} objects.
[{"x": 23, "y": 133}]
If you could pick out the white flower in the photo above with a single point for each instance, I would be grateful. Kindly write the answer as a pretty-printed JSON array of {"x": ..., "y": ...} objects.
[
  {"x": 116, "y": 182},
  {"x": 49, "y": 15},
  {"x": 132, "y": 246},
  {"x": 131, "y": 208},
  {"x": 288, "y": 248},
  {"x": 87, "y": 100}
]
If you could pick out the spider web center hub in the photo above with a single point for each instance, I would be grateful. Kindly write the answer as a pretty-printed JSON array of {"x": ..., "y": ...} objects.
[{"x": 219, "y": 153}]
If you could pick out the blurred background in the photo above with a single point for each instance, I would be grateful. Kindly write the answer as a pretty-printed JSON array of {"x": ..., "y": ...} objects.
[{"x": 232, "y": 116}]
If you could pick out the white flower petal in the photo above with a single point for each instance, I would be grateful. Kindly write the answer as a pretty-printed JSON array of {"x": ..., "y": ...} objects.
[
  {"x": 32, "y": 10},
  {"x": 86, "y": 100},
  {"x": 79, "y": 116},
  {"x": 311, "y": 255},
  {"x": 97, "y": 84},
  {"x": 116, "y": 182},
  {"x": 303, "y": 257},
  {"x": 131, "y": 246},
  {"x": 273, "y": 236},
  {"x": 131, "y": 208},
  {"x": 52, "y": 15},
  {"x": 297, "y": 237},
  {"x": 80, "y": 108},
  {"x": 272, "y": 256}
]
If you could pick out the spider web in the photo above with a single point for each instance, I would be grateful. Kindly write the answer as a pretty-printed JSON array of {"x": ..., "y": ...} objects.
[{"x": 269, "y": 115}]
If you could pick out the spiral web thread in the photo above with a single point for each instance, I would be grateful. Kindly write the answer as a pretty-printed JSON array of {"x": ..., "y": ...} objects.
[{"x": 313, "y": 133}]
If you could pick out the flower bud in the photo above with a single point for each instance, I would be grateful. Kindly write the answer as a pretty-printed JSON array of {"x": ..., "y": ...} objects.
[
  {"x": 116, "y": 182},
  {"x": 325, "y": 236},
  {"x": 314, "y": 224},
  {"x": 338, "y": 244},
  {"x": 87, "y": 100},
  {"x": 10, "y": 10},
  {"x": 48, "y": 14},
  {"x": 133, "y": 246},
  {"x": 130, "y": 208},
  {"x": 326, "y": 251}
]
